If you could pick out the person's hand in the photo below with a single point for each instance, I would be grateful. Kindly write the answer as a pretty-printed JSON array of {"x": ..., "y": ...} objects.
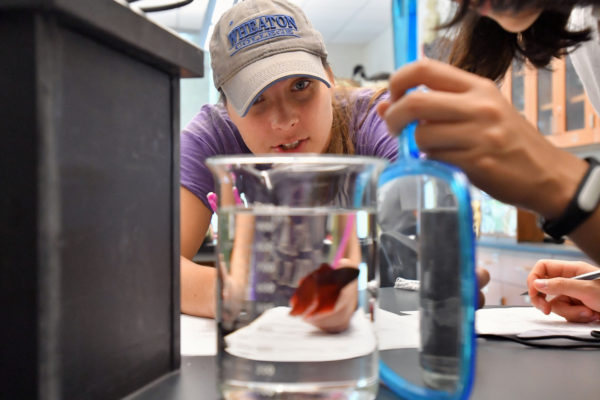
[
  {"x": 575, "y": 300},
  {"x": 464, "y": 120},
  {"x": 327, "y": 298},
  {"x": 338, "y": 319},
  {"x": 483, "y": 278}
]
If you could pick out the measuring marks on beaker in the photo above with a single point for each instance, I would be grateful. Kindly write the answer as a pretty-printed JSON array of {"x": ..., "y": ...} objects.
[
  {"x": 264, "y": 267},
  {"x": 286, "y": 248}
]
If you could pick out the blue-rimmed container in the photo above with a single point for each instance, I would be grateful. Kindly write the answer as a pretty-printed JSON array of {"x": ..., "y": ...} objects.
[{"x": 434, "y": 225}]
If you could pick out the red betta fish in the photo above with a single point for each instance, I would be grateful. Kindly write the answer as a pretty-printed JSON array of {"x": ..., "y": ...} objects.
[{"x": 319, "y": 290}]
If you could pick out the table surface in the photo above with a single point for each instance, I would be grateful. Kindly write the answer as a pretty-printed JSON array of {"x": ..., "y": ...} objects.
[{"x": 504, "y": 370}]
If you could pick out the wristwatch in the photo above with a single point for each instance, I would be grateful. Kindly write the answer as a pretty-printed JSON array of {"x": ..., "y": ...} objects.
[{"x": 581, "y": 206}]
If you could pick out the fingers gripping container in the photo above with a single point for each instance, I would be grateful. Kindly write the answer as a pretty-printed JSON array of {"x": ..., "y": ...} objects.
[{"x": 443, "y": 240}]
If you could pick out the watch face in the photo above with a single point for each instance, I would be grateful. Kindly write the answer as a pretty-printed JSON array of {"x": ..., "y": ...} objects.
[
  {"x": 590, "y": 191},
  {"x": 580, "y": 207}
]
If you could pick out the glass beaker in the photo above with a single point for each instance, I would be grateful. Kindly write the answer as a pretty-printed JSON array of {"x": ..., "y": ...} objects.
[{"x": 296, "y": 254}]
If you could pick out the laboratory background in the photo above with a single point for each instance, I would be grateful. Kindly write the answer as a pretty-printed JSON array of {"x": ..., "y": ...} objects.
[
  {"x": 359, "y": 35},
  {"x": 94, "y": 95}
]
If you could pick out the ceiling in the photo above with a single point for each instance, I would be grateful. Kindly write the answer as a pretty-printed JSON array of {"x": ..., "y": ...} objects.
[
  {"x": 339, "y": 21},
  {"x": 348, "y": 21}
]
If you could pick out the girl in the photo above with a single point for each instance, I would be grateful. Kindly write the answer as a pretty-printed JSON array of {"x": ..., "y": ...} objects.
[{"x": 278, "y": 96}]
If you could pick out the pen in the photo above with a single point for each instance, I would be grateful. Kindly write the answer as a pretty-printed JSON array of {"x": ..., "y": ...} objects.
[
  {"x": 588, "y": 276},
  {"x": 212, "y": 200}
]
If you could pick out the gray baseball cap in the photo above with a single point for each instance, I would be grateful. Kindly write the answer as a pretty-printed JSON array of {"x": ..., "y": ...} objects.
[{"x": 259, "y": 42}]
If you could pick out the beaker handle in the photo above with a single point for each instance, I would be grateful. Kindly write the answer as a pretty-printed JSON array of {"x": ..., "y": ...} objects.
[
  {"x": 413, "y": 164},
  {"x": 407, "y": 143}
]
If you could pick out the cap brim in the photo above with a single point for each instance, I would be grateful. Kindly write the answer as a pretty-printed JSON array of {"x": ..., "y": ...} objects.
[{"x": 245, "y": 86}]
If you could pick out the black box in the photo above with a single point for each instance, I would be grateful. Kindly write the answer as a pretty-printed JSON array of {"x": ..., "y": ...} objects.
[{"x": 89, "y": 198}]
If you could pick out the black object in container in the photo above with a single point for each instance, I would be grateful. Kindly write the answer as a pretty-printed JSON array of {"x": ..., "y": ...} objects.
[{"x": 439, "y": 296}]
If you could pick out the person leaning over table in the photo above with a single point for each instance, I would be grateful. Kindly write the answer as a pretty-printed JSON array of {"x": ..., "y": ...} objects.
[
  {"x": 278, "y": 97},
  {"x": 464, "y": 120}
]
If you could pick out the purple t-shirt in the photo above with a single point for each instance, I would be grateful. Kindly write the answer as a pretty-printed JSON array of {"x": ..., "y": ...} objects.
[{"x": 211, "y": 133}]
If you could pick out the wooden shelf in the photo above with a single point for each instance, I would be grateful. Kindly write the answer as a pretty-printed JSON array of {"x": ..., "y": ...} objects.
[
  {"x": 557, "y": 105},
  {"x": 578, "y": 99}
]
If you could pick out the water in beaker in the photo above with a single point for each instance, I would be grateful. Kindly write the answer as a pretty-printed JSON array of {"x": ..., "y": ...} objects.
[{"x": 296, "y": 251}]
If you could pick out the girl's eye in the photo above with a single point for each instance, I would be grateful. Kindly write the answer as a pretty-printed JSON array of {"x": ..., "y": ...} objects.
[
  {"x": 259, "y": 99},
  {"x": 301, "y": 84}
]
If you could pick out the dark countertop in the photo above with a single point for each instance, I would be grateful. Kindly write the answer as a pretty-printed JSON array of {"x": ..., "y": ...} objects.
[{"x": 504, "y": 370}]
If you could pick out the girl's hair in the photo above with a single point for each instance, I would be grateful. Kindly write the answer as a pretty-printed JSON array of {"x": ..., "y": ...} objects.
[
  {"x": 484, "y": 48},
  {"x": 342, "y": 139}
]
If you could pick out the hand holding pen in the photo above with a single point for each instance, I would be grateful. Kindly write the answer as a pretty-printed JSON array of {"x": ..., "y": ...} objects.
[{"x": 576, "y": 299}]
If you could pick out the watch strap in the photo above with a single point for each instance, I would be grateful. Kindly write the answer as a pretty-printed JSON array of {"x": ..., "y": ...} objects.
[{"x": 574, "y": 214}]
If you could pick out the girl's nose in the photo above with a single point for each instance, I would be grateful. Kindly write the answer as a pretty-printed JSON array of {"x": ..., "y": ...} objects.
[{"x": 284, "y": 116}]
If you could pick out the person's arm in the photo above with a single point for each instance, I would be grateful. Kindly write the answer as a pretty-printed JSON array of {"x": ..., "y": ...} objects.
[
  {"x": 465, "y": 121},
  {"x": 575, "y": 300},
  {"x": 209, "y": 132},
  {"x": 197, "y": 281},
  {"x": 587, "y": 234}
]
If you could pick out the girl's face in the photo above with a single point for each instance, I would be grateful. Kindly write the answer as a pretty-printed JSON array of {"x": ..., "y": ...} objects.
[
  {"x": 292, "y": 116},
  {"x": 508, "y": 20}
]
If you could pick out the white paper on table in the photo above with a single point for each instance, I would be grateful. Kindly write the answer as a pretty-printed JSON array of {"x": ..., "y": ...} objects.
[
  {"x": 395, "y": 331},
  {"x": 528, "y": 322},
  {"x": 278, "y": 336},
  {"x": 402, "y": 331},
  {"x": 198, "y": 336}
]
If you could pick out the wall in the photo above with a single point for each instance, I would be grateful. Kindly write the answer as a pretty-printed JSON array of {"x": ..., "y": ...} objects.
[
  {"x": 344, "y": 57},
  {"x": 195, "y": 92},
  {"x": 376, "y": 56},
  {"x": 379, "y": 54}
]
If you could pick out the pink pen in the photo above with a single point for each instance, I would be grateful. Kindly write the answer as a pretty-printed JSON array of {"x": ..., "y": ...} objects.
[
  {"x": 212, "y": 200},
  {"x": 344, "y": 241}
]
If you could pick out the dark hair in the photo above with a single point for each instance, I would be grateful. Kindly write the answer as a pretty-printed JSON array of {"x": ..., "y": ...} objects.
[{"x": 484, "y": 48}]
